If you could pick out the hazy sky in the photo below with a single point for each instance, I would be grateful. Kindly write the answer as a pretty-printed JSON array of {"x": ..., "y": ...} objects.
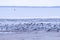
[
  {"x": 29, "y": 12},
  {"x": 29, "y": 2}
]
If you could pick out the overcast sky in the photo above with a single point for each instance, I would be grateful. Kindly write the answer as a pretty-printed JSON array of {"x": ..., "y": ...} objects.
[
  {"x": 30, "y": 2},
  {"x": 8, "y": 12}
]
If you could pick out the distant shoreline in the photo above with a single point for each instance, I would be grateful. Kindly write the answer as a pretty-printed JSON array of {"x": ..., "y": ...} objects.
[{"x": 31, "y": 6}]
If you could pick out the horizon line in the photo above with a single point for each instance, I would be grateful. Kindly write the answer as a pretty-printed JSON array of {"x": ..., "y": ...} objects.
[{"x": 30, "y": 6}]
